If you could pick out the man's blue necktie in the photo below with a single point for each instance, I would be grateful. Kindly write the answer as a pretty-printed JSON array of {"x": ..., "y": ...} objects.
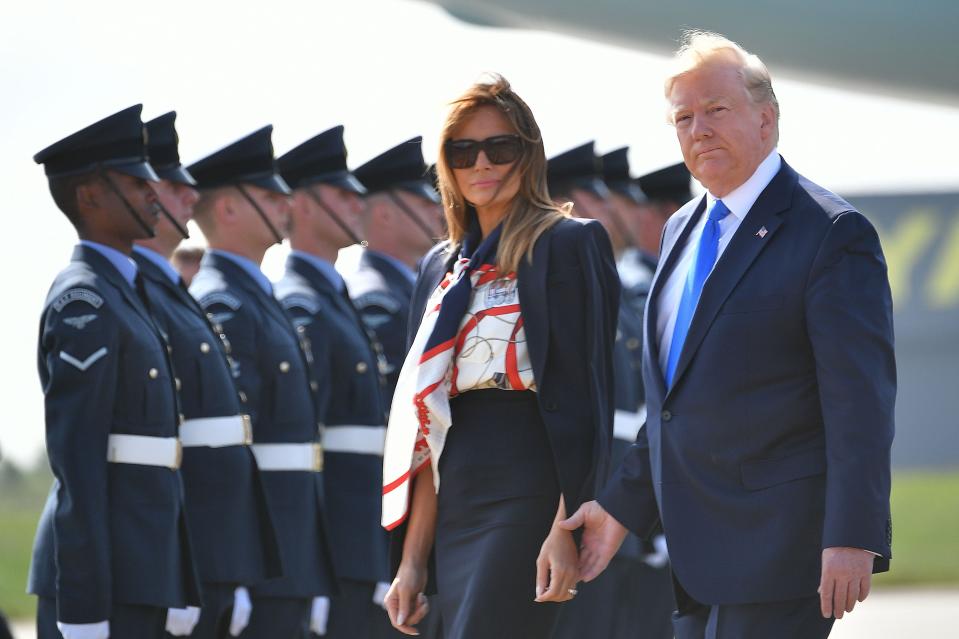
[{"x": 702, "y": 265}]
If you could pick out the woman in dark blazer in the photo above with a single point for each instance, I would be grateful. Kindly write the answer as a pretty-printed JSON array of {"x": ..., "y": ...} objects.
[{"x": 502, "y": 419}]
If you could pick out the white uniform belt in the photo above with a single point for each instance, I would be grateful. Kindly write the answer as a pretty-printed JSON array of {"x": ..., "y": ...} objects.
[
  {"x": 216, "y": 432},
  {"x": 307, "y": 456},
  {"x": 362, "y": 440},
  {"x": 626, "y": 424},
  {"x": 165, "y": 452}
]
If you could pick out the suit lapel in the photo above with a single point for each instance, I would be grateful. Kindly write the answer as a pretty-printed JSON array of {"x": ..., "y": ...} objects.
[
  {"x": 672, "y": 249},
  {"x": 533, "y": 303},
  {"x": 744, "y": 247}
]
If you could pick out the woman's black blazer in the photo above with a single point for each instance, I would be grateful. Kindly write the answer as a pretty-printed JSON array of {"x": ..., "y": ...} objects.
[{"x": 569, "y": 297}]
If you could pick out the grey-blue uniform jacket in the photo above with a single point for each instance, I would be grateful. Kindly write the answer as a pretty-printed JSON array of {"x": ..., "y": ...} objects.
[
  {"x": 345, "y": 366},
  {"x": 230, "y": 524},
  {"x": 110, "y": 533},
  {"x": 382, "y": 294},
  {"x": 271, "y": 376}
]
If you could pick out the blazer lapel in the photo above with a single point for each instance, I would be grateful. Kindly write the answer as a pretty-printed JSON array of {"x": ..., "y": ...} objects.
[
  {"x": 742, "y": 250},
  {"x": 533, "y": 303},
  {"x": 672, "y": 249}
]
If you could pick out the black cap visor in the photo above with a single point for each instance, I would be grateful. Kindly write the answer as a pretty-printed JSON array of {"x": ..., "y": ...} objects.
[
  {"x": 421, "y": 188},
  {"x": 342, "y": 179},
  {"x": 628, "y": 190},
  {"x": 140, "y": 169},
  {"x": 175, "y": 173},
  {"x": 269, "y": 181}
]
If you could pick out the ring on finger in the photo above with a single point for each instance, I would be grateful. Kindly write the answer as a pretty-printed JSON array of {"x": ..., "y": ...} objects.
[{"x": 572, "y": 592}]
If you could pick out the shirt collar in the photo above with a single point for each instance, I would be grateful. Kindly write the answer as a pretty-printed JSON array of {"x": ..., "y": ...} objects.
[
  {"x": 120, "y": 261},
  {"x": 324, "y": 267},
  {"x": 742, "y": 198},
  {"x": 405, "y": 270},
  {"x": 159, "y": 261},
  {"x": 250, "y": 267}
]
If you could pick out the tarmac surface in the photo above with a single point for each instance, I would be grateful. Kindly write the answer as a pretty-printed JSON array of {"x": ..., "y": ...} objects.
[{"x": 887, "y": 614}]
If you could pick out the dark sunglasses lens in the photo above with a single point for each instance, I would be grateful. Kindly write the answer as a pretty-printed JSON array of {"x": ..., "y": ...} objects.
[
  {"x": 503, "y": 150},
  {"x": 461, "y": 155}
]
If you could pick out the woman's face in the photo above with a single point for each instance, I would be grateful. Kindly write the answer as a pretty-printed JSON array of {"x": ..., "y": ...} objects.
[{"x": 485, "y": 184}]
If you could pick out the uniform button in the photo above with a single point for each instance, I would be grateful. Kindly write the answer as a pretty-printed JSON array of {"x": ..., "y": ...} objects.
[
  {"x": 301, "y": 329},
  {"x": 284, "y": 367},
  {"x": 666, "y": 415},
  {"x": 204, "y": 348},
  {"x": 242, "y": 396},
  {"x": 153, "y": 373},
  {"x": 314, "y": 386},
  {"x": 361, "y": 367},
  {"x": 632, "y": 343}
]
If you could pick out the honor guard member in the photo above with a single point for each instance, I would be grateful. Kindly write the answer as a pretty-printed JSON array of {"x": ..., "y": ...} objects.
[
  {"x": 326, "y": 218},
  {"x": 243, "y": 210},
  {"x": 401, "y": 222},
  {"x": 631, "y": 599},
  {"x": 112, "y": 552},
  {"x": 635, "y": 267},
  {"x": 223, "y": 490},
  {"x": 666, "y": 190}
]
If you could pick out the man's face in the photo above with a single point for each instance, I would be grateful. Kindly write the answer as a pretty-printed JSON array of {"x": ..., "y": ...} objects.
[
  {"x": 723, "y": 134},
  {"x": 178, "y": 199},
  {"x": 140, "y": 194},
  {"x": 430, "y": 215},
  {"x": 276, "y": 207},
  {"x": 346, "y": 206}
]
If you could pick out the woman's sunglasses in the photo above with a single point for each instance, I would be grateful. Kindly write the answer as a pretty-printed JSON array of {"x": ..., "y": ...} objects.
[{"x": 499, "y": 149}]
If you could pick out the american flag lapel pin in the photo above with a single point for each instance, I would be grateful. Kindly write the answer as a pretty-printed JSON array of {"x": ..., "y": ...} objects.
[{"x": 761, "y": 233}]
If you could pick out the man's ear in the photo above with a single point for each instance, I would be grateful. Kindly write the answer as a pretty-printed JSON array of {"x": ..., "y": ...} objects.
[
  {"x": 767, "y": 120},
  {"x": 87, "y": 195}
]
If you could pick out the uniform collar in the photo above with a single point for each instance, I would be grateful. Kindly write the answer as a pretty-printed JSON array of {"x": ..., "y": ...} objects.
[
  {"x": 159, "y": 261},
  {"x": 326, "y": 269},
  {"x": 742, "y": 198},
  {"x": 120, "y": 261},
  {"x": 249, "y": 267}
]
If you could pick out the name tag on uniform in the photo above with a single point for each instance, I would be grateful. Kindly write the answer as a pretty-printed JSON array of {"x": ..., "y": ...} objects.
[{"x": 501, "y": 292}]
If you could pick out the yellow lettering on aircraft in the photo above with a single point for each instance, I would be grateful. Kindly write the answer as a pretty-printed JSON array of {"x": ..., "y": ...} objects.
[
  {"x": 904, "y": 244},
  {"x": 942, "y": 289}
]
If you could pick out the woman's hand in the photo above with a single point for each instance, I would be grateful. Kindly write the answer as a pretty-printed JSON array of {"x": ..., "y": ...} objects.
[
  {"x": 405, "y": 602},
  {"x": 557, "y": 567}
]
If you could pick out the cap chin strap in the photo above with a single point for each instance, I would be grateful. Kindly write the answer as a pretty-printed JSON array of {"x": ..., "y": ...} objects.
[
  {"x": 256, "y": 207},
  {"x": 621, "y": 227},
  {"x": 169, "y": 216},
  {"x": 126, "y": 203},
  {"x": 413, "y": 216},
  {"x": 333, "y": 216}
]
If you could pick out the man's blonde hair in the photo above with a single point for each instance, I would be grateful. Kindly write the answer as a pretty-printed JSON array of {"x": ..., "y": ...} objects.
[{"x": 699, "y": 48}]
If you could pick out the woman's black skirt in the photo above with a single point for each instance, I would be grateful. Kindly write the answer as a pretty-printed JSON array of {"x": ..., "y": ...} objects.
[{"x": 498, "y": 498}]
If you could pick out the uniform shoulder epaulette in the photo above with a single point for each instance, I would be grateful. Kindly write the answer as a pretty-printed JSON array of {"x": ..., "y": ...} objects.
[{"x": 293, "y": 291}]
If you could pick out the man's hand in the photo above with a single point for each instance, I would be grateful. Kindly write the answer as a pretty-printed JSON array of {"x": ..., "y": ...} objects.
[
  {"x": 846, "y": 579},
  {"x": 602, "y": 537}
]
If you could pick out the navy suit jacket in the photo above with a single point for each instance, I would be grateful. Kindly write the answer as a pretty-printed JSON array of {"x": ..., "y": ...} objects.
[
  {"x": 569, "y": 298},
  {"x": 774, "y": 440},
  {"x": 223, "y": 488},
  {"x": 350, "y": 388},
  {"x": 272, "y": 376},
  {"x": 109, "y": 533}
]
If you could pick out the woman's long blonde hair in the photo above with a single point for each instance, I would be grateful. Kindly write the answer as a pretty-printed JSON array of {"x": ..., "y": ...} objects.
[{"x": 532, "y": 211}]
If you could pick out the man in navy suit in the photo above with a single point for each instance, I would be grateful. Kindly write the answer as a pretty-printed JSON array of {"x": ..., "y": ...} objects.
[{"x": 770, "y": 380}]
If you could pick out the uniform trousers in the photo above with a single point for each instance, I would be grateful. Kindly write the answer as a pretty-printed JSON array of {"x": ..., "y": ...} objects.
[
  {"x": 497, "y": 501},
  {"x": 792, "y": 619},
  {"x": 279, "y": 618},
  {"x": 354, "y": 615},
  {"x": 630, "y": 599},
  {"x": 126, "y": 621}
]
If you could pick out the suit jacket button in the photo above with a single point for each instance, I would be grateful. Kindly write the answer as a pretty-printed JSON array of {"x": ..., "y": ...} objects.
[
  {"x": 666, "y": 415},
  {"x": 284, "y": 367}
]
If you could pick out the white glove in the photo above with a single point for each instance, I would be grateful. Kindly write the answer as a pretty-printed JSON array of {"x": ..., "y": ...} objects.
[
  {"x": 660, "y": 558},
  {"x": 99, "y": 630},
  {"x": 379, "y": 594},
  {"x": 242, "y": 608},
  {"x": 319, "y": 615},
  {"x": 181, "y": 621}
]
